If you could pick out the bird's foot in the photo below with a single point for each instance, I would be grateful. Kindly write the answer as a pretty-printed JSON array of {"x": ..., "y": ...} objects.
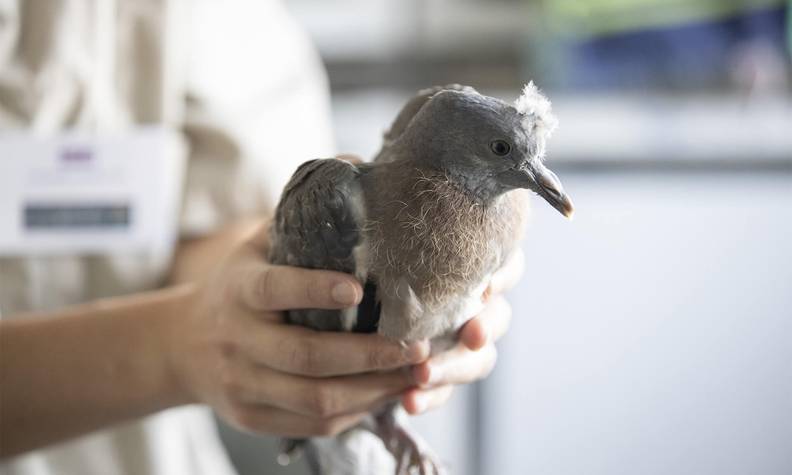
[{"x": 412, "y": 456}]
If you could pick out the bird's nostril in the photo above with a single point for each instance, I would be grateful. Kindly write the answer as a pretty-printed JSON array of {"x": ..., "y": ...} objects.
[{"x": 550, "y": 185}]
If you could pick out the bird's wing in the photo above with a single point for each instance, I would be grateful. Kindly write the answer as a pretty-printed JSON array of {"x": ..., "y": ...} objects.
[
  {"x": 318, "y": 226},
  {"x": 410, "y": 109}
]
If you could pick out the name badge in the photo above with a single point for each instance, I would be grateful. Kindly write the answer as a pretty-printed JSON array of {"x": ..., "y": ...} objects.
[{"x": 77, "y": 193}]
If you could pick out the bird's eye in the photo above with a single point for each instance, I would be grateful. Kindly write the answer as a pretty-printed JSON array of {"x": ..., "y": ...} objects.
[{"x": 500, "y": 147}]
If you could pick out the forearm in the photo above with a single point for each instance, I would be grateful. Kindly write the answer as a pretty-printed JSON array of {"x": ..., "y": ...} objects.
[
  {"x": 67, "y": 373},
  {"x": 85, "y": 368}
]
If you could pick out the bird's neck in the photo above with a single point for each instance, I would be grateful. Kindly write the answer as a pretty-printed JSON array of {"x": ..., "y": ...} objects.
[
  {"x": 427, "y": 226},
  {"x": 483, "y": 190}
]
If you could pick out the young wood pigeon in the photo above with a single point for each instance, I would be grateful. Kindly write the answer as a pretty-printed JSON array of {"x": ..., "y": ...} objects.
[{"x": 423, "y": 226}]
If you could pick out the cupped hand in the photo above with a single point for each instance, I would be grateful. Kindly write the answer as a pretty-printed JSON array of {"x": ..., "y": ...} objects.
[
  {"x": 474, "y": 356},
  {"x": 234, "y": 353}
]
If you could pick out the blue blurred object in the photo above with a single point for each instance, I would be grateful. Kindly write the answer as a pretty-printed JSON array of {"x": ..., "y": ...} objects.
[{"x": 693, "y": 55}]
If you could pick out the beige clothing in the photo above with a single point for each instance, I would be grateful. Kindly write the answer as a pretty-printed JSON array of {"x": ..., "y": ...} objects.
[{"x": 243, "y": 88}]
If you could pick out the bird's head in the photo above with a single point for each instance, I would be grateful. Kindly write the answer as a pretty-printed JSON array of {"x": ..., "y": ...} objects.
[{"x": 487, "y": 145}]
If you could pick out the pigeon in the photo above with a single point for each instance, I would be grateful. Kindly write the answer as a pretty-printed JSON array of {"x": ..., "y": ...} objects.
[{"x": 423, "y": 227}]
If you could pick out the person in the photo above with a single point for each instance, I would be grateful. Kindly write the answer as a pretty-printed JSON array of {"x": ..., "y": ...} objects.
[
  {"x": 106, "y": 370},
  {"x": 219, "y": 342}
]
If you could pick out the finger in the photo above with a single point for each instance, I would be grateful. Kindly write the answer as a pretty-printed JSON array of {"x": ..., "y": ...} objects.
[
  {"x": 456, "y": 366},
  {"x": 474, "y": 334},
  {"x": 490, "y": 325},
  {"x": 317, "y": 397},
  {"x": 302, "y": 351},
  {"x": 509, "y": 274},
  {"x": 351, "y": 158},
  {"x": 267, "y": 419},
  {"x": 258, "y": 241},
  {"x": 418, "y": 401},
  {"x": 269, "y": 287}
]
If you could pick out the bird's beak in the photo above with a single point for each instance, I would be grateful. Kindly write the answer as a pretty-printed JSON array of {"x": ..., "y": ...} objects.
[{"x": 535, "y": 176}]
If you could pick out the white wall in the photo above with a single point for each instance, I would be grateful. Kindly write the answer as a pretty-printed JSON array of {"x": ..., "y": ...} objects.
[{"x": 653, "y": 334}]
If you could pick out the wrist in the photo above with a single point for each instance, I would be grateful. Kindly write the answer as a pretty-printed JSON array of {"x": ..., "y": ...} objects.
[{"x": 172, "y": 325}]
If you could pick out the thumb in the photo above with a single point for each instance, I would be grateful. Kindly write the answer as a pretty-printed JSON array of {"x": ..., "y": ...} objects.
[{"x": 270, "y": 287}]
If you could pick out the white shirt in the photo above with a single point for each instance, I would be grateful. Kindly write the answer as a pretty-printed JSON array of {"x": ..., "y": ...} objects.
[{"x": 244, "y": 88}]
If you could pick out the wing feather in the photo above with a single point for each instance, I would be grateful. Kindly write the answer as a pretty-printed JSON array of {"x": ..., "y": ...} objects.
[{"x": 318, "y": 225}]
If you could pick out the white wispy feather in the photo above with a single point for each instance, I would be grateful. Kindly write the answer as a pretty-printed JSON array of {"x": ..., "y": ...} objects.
[{"x": 537, "y": 110}]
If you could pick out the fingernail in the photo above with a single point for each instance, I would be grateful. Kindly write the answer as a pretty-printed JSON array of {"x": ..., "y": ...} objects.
[
  {"x": 417, "y": 351},
  {"x": 435, "y": 375},
  {"x": 344, "y": 293},
  {"x": 481, "y": 343},
  {"x": 485, "y": 296},
  {"x": 421, "y": 403},
  {"x": 485, "y": 336},
  {"x": 421, "y": 374}
]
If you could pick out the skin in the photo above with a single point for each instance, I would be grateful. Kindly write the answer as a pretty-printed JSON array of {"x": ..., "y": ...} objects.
[{"x": 221, "y": 341}]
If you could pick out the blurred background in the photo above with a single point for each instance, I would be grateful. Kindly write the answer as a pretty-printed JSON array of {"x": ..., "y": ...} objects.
[{"x": 651, "y": 334}]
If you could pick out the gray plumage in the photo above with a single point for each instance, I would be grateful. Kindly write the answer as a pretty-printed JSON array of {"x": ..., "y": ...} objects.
[
  {"x": 430, "y": 219},
  {"x": 317, "y": 225}
]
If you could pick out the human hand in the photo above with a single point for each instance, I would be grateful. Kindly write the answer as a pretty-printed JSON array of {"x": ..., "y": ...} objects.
[
  {"x": 234, "y": 353},
  {"x": 474, "y": 356}
]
